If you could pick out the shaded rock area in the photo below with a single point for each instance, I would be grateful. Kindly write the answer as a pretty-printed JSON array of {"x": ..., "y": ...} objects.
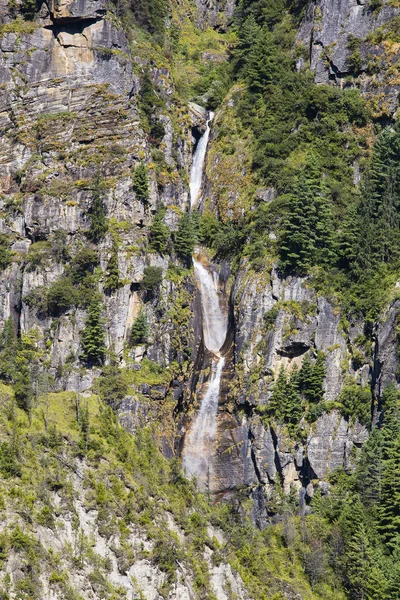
[
  {"x": 328, "y": 30},
  {"x": 69, "y": 114},
  {"x": 215, "y": 13}
]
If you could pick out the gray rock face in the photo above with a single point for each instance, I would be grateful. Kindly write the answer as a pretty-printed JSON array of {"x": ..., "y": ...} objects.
[
  {"x": 69, "y": 114},
  {"x": 386, "y": 353},
  {"x": 330, "y": 446},
  {"x": 215, "y": 13},
  {"x": 300, "y": 322},
  {"x": 327, "y": 29},
  {"x": 328, "y": 25}
]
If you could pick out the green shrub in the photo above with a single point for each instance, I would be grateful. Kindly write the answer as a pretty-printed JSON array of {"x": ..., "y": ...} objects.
[
  {"x": 140, "y": 183},
  {"x": 97, "y": 213},
  {"x": 159, "y": 233},
  {"x": 139, "y": 330},
  {"x": 185, "y": 239},
  {"x": 93, "y": 336},
  {"x": 82, "y": 264},
  {"x": 112, "y": 385},
  {"x": 9, "y": 466},
  {"x": 5, "y": 252},
  {"x": 152, "y": 278},
  {"x": 356, "y": 402},
  {"x": 61, "y": 295},
  {"x": 270, "y": 318}
]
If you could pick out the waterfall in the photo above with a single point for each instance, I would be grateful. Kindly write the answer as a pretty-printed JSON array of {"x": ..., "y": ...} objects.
[
  {"x": 215, "y": 322},
  {"x": 199, "y": 445},
  {"x": 196, "y": 174}
]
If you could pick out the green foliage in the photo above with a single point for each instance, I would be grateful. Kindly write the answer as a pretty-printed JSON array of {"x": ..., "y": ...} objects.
[
  {"x": 82, "y": 265},
  {"x": 5, "y": 252},
  {"x": 354, "y": 59},
  {"x": 9, "y": 466},
  {"x": 112, "y": 281},
  {"x": 112, "y": 384},
  {"x": 140, "y": 183},
  {"x": 92, "y": 336},
  {"x": 270, "y": 317},
  {"x": 159, "y": 233},
  {"x": 185, "y": 239},
  {"x": 28, "y": 9},
  {"x": 139, "y": 330},
  {"x": 311, "y": 378},
  {"x": 151, "y": 15},
  {"x": 285, "y": 404},
  {"x": 299, "y": 393},
  {"x": 152, "y": 279},
  {"x": 356, "y": 402},
  {"x": 60, "y": 296},
  {"x": 97, "y": 213},
  {"x": 307, "y": 230}
]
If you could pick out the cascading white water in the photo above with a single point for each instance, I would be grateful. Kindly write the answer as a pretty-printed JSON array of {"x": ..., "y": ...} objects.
[
  {"x": 196, "y": 174},
  {"x": 199, "y": 445},
  {"x": 215, "y": 322}
]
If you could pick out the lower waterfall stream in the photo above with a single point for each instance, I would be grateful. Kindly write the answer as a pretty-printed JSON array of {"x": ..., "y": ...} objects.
[{"x": 199, "y": 443}]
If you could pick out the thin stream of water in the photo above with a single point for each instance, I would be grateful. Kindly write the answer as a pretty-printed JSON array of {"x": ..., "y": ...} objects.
[
  {"x": 196, "y": 173},
  {"x": 200, "y": 441}
]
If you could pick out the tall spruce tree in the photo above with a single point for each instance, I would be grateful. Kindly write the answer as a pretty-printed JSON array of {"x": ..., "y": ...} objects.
[
  {"x": 93, "y": 336},
  {"x": 307, "y": 233},
  {"x": 97, "y": 213},
  {"x": 159, "y": 233},
  {"x": 140, "y": 183},
  {"x": 185, "y": 239}
]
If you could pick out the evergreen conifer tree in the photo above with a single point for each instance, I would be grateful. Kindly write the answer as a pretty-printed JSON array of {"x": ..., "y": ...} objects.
[
  {"x": 279, "y": 394},
  {"x": 8, "y": 351},
  {"x": 140, "y": 330},
  {"x": 112, "y": 281},
  {"x": 185, "y": 239},
  {"x": 159, "y": 233},
  {"x": 97, "y": 212},
  {"x": 140, "y": 183},
  {"x": 307, "y": 235},
  {"x": 92, "y": 337}
]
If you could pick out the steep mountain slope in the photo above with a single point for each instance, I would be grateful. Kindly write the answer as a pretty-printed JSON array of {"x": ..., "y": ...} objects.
[{"x": 297, "y": 226}]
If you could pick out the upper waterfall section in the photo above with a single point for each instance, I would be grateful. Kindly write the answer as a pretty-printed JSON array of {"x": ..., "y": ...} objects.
[
  {"x": 215, "y": 321},
  {"x": 196, "y": 174}
]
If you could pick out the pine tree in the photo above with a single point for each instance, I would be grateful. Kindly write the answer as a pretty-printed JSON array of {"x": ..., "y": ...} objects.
[
  {"x": 312, "y": 377},
  {"x": 159, "y": 233},
  {"x": 292, "y": 409},
  {"x": 358, "y": 563},
  {"x": 389, "y": 505},
  {"x": 97, "y": 213},
  {"x": 8, "y": 351},
  {"x": 379, "y": 210},
  {"x": 278, "y": 398},
  {"x": 369, "y": 471},
  {"x": 140, "y": 330},
  {"x": 140, "y": 183},
  {"x": 112, "y": 281},
  {"x": 92, "y": 337},
  {"x": 307, "y": 236},
  {"x": 185, "y": 239}
]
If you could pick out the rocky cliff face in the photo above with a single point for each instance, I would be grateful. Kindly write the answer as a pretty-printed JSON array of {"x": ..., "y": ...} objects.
[
  {"x": 303, "y": 322},
  {"x": 71, "y": 113},
  {"x": 349, "y": 42},
  {"x": 71, "y": 88}
]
